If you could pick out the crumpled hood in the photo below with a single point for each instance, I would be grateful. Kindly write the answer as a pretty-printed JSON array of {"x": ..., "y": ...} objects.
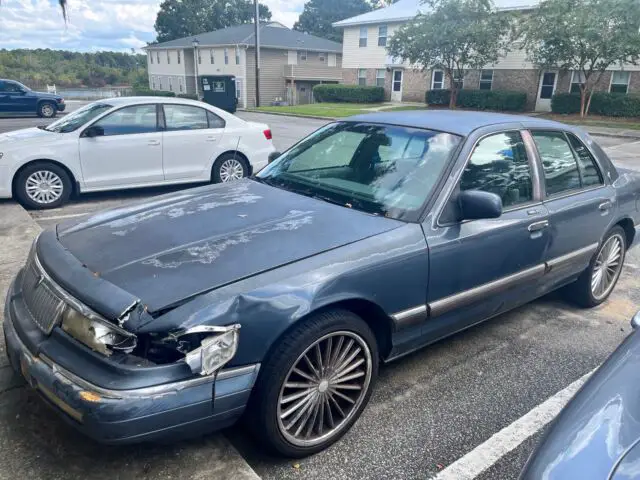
[{"x": 182, "y": 244}]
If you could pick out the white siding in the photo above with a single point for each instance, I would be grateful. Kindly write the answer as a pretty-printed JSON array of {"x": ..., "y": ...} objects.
[
  {"x": 292, "y": 57},
  {"x": 219, "y": 67},
  {"x": 371, "y": 56},
  {"x": 164, "y": 68}
]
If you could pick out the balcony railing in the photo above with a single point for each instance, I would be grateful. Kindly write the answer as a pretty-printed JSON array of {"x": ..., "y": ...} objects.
[{"x": 309, "y": 72}]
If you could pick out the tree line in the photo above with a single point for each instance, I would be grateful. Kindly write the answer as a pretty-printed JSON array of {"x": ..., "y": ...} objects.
[{"x": 39, "y": 67}]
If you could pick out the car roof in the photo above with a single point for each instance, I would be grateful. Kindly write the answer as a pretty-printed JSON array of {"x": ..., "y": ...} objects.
[
  {"x": 452, "y": 121},
  {"x": 118, "y": 101}
]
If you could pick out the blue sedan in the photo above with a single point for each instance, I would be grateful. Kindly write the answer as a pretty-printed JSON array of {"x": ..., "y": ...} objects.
[{"x": 277, "y": 296}]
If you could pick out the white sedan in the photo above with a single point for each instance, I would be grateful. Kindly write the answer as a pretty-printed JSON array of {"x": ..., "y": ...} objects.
[{"x": 128, "y": 143}]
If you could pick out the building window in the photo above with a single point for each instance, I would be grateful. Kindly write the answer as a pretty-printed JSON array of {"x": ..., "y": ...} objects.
[
  {"x": 170, "y": 85},
  {"x": 158, "y": 57},
  {"x": 199, "y": 56},
  {"x": 226, "y": 56},
  {"x": 619, "y": 82},
  {"x": 577, "y": 78},
  {"x": 362, "y": 76},
  {"x": 180, "y": 85},
  {"x": 239, "y": 89},
  {"x": 179, "y": 57},
  {"x": 437, "y": 80},
  {"x": 380, "y": 77},
  {"x": 151, "y": 57},
  {"x": 382, "y": 36},
  {"x": 321, "y": 56},
  {"x": 153, "y": 83},
  {"x": 168, "y": 57},
  {"x": 160, "y": 82},
  {"x": 303, "y": 56},
  {"x": 212, "y": 60},
  {"x": 237, "y": 56},
  {"x": 458, "y": 80},
  {"x": 486, "y": 79},
  {"x": 363, "y": 36}
]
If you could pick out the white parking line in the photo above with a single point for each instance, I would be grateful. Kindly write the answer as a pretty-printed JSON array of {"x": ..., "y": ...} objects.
[
  {"x": 622, "y": 145},
  {"x": 509, "y": 438}
]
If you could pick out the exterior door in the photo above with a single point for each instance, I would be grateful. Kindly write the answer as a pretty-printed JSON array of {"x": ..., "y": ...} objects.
[
  {"x": 479, "y": 268},
  {"x": 190, "y": 142},
  {"x": 546, "y": 90},
  {"x": 579, "y": 200},
  {"x": 129, "y": 153},
  {"x": 396, "y": 86}
]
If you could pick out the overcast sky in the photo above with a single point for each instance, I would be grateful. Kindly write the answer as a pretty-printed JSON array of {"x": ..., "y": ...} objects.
[{"x": 96, "y": 24}]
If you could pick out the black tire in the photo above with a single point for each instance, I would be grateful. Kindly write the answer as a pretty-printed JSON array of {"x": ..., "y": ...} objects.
[
  {"x": 217, "y": 176},
  {"x": 262, "y": 414},
  {"x": 47, "y": 109},
  {"x": 20, "y": 185},
  {"x": 581, "y": 292}
]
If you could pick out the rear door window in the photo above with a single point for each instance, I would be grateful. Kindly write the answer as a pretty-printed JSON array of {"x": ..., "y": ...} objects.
[
  {"x": 589, "y": 171},
  {"x": 560, "y": 168}
]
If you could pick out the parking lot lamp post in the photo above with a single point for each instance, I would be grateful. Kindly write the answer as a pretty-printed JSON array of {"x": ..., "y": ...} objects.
[{"x": 195, "y": 44}]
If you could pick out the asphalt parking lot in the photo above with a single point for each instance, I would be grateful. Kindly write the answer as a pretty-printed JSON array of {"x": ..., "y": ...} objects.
[{"x": 434, "y": 407}]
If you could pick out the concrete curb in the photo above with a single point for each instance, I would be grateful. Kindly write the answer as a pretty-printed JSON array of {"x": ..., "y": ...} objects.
[
  {"x": 28, "y": 425},
  {"x": 596, "y": 133}
]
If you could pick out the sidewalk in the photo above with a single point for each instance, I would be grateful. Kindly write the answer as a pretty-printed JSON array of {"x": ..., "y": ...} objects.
[
  {"x": 35, "y": 443},
  {"x": 611, "y": 132}
]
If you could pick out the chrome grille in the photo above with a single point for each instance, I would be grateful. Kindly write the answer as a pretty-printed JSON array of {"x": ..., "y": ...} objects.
[{"x": 43, "y": 305}]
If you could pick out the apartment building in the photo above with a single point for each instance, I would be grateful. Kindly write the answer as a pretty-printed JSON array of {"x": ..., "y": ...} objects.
[
  {"x": 366, "y": 61},
  {"x": 291, "y": 62}
]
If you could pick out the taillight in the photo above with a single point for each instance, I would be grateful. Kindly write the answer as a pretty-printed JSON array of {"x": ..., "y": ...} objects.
[{"x": 267, "y": 134}]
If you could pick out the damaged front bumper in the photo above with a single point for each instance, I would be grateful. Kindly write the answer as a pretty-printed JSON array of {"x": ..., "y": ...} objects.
[{"x": 101, "y": 410}]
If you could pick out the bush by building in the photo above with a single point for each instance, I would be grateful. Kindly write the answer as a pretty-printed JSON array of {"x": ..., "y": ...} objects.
[
  {"x": 602, "y": 103},
  {"x": 340, "y": 93},
  {"x": 500, "y": 100},
  {"x": 141, "y": 92}
]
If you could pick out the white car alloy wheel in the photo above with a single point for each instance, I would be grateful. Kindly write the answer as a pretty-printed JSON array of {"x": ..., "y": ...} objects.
[
  {"x": 44, "y": 187},
  {"x": 607, "y": 267},
  {"x": 231, "y": 169},
  {"x": 324, "y": 388}
]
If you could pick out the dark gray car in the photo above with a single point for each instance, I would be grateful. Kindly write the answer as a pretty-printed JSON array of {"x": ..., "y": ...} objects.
[
  {"x": 277, "y": 296},
  {"x": 597, "y": 435}
]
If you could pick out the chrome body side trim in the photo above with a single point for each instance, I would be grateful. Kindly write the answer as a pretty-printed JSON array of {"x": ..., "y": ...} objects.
[
  {"x": 572, "y": 256},
  {"x": 410, "y": 317},
  {"x": 467, "y": 297}
]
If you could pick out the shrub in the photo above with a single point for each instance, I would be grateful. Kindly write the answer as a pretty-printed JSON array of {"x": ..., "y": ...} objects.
[
  {"x": 438, "y": 97},
  {"x": 565, "y": 103},
  {"x": 338, "y": 93},
  {"x": 152, "y": 93},
  {"x": 188, "y": 96},
  {"x": 502, "y": 100},
  {"x": 602, "y": 103}
]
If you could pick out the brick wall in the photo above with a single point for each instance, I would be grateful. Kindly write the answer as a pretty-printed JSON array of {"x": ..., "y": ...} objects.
[
  {"x": 518, "y": 80},
  {"x": 634, "y": 82},
  {"x": 387, "y": 85},
  {"x": 472, "y": 79},
  {"x": 415, "y": 83},
  {"x": 350, "y": 76}
]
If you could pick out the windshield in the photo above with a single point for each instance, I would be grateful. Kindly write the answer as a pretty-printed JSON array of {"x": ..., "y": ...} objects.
[
  {"x": 76, "y": 119},
  {"x": 380, "y": 169}
]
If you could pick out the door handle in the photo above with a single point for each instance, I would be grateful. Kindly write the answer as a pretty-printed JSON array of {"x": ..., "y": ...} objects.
[
  {"x": 604, "y": 206},
  {"x": 211, "y": 139},
  {"x": 154, "y": 142},
  {"x": 537, "y": 226}
]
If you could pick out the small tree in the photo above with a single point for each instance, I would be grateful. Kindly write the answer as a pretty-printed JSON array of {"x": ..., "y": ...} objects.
[
  {"x": 586, "y": 36},
  {"x": 455, "y": 35}
]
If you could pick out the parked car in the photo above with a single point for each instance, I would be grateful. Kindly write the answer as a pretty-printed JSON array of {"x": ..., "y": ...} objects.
[
  {"x": 277, "y": 296},
  {"x": 16, "y": 98},
  {"x": 597, "y": 435},
  {"x": 129, "y": 142}
]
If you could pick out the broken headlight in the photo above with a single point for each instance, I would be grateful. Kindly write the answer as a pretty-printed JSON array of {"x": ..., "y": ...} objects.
[
  {"x": 97, "y": 334},
  {"x": 217, "y": 347}
]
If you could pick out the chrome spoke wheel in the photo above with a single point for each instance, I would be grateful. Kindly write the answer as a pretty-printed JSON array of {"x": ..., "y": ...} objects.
[
  {"x": 44, "y": 187},
  {"x": 231, "y": 169},
  {"x": 324, "y": 388},
  {"x": 607, "y": 267}
]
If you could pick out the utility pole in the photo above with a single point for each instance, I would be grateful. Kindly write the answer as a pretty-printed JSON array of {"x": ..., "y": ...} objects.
[{"x": 257, "y": 35}]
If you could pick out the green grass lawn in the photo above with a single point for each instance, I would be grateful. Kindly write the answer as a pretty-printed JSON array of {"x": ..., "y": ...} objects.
[{"x": 335, "y": 110}]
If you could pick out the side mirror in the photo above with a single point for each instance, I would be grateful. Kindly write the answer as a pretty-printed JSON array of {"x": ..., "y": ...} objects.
[
  {"x": 635, "y": 321},
  {"x": 476, "y": 204},
  {"x": 93, "y": 131},
  {"x": 274, "y": 155}
]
